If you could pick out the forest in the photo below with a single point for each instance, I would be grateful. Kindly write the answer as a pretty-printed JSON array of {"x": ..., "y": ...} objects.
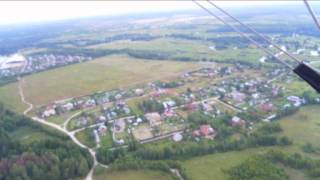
[{"x": 52, "y": 158}]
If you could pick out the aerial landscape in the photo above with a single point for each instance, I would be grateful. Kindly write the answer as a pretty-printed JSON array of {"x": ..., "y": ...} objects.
[{"x": 173, "y": 95}]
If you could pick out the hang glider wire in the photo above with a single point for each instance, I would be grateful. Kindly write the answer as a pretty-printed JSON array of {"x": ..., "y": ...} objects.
[
  {"x": 312, "y": 13},
  {"x": 310, "y": 75},
  {"x": 243, "y": 35}
]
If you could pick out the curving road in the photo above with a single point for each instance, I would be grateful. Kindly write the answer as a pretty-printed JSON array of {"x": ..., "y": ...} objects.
[{"x": 62, "y": 129}]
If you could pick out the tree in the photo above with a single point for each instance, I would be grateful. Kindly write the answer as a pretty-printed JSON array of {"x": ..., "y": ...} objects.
[{"x": 256, "y": 168}]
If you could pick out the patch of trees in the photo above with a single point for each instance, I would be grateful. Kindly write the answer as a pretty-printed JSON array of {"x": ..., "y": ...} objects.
[
  {"x": 183, "y": 36},
  {"x": 53, "y": 158},
  {"x": 311, "y": 167},
  {"x": 256, "y": 168},
  {"x": 172, "y": 84},
  {"x": 129, "y": 163},
  {"x": 269, "y": 128},
  {"x": 151, "y": 106},
  {"x": 191, "y": 149},
  {"x": 90, "y": 42},
  {"x": 283, "y": 29},
  {"x": 238, "y": 41},
  {"x": 287, "y": 111}
]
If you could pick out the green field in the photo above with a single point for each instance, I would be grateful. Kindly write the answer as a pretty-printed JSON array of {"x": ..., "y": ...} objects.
[
  {"x": 101, "y": 74},
  {"x": 9, "y": 95},
  {"x": 303, "y": 126},
  {"x": 133, "y": 175},
  {"x": 86, "y": 137},
  {"x": 28, "y": 135},
  {"x": 201, "y": 168}
]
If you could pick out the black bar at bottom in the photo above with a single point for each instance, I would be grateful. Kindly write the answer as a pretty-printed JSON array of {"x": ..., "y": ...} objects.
[{"x": 310, "y": 75}]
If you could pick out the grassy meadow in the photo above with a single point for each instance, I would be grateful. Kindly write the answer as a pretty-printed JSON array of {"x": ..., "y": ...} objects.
[
  {"x": 9, "y": 95},
  {"x": 80, "y": 79}
]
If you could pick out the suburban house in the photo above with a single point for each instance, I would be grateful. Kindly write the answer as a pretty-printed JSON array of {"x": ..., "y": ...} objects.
[
  {"x": 102, "y": 130},
  {"x": 238, "y": 96},
  {"x": 67, "y": 107},
  {"x": 266, "y": 107},
  {"x": 205, "y": 131},
  {"x": 236, "y": 121},
  {"x": 154, "y": 118},
  {"x": 139, "y": 92},
  {"x": 297, "y": 101},
  {"x": 50, "y": 111}
]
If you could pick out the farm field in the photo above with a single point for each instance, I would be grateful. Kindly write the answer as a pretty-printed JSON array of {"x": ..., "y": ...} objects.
[
  {"x": 101, "y": 74},
  {"x": 133, "y": 175},
  {"x": 9, "y": 95}
]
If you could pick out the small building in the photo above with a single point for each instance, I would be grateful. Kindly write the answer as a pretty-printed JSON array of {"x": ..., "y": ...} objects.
[
  {"x": 139, "y": 92},
  {"x": 102, "y": 130},
  {"x": 68, "y": 107},
  {"x": 236, "y": 121},
  {"x": 297, "y": 101},
  {"x": 238, "y": 96},
  {"x": 169, "y": 113},
  {"x": 154, "y": 118},
  {"x": 266, "y": 107},
  {"x": 206, "y": 131},
  {"x": 50, "y": 111},
  {"x": 177, "y": 137}
]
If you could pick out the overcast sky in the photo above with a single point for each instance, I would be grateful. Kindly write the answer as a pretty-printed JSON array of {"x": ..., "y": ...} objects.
[{"x": 13, "y": 12}]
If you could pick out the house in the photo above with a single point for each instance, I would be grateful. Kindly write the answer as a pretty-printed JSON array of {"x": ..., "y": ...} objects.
[
  {"x": 168, "y": 104},
  {"x": 168, "y": 113},
  {"x": 177, "y": 137},
  {"x": 297, "y": 101},
  {"x": 206, "y": 131},
  {"x": 139, "y": 92},
  {"x": 206, "y": 107},
  {"x": 102, "y": 118},
  {"x": 118, "y": 96},
  {"x": 50, "y": 111},
  {"x": 314, "y": 53},
  {"x": 154, "y": 118},
  {"x": 236, "y": 121},
  {"x": 266, "y": 107},
  {"x": 67, "y": 107},
  {"x": 192, "y": 106},
  {"x": 238, "y": 96},
  {"x": 102, "y": 130}
]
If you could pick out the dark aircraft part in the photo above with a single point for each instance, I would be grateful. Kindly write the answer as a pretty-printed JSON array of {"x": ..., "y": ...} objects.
[{"x": 310, "y": 75}]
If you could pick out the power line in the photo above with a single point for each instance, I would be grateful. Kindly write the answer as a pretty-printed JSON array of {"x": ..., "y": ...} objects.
[
  {"x": 243, "y": 35},
  {"x": 312, "y": 13},
  {"x": 255, "y": 32}
]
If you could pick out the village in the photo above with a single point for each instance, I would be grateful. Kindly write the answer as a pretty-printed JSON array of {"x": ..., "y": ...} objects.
[
  {"x": 163, "y": 109},
  {"x": 17, "y": 64}
]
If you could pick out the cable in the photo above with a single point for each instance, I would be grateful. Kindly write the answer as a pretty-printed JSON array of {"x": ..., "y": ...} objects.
[
  {"x": 312, "y": 13},
  {"x": 254, "y": 31},
  {"x": 243, "y": 35}
]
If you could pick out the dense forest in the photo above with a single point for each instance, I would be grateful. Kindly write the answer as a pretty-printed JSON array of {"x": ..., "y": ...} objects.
[{"x": 52, "y": 158}]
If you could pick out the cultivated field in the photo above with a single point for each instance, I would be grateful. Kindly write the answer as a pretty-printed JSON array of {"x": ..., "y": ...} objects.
[{"x": 85, "y": 78}]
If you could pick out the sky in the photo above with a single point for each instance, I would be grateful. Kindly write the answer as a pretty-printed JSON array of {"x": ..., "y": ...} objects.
[{"x": 15, "y": 12}]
